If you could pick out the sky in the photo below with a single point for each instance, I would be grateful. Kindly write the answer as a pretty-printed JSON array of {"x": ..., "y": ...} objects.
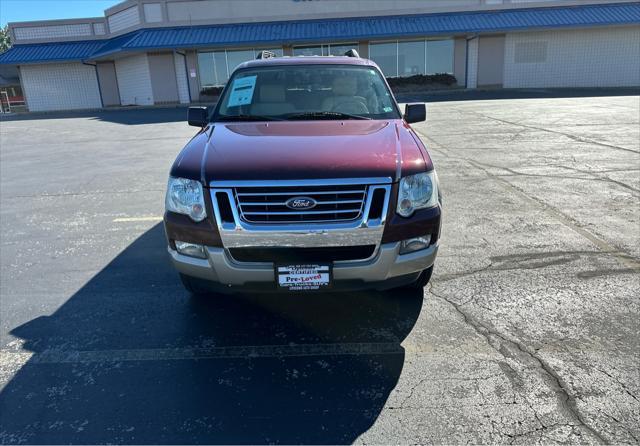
[{"x": 24, "y": 10}]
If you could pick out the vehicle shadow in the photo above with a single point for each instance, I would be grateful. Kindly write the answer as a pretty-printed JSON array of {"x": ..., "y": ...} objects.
[{"x": 131, "y": 358}]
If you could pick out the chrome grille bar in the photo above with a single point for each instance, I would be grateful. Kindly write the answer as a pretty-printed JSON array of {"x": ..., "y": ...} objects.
[
  {"x": 310, "y": 192},
  {"x": 276, "y": 203},
  {"x": 310, "y": 230},
  {"x": 267, "y": 204},
  {"x": 303, "y": 212}
]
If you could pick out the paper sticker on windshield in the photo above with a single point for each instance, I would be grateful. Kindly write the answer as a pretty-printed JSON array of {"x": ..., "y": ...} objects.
[
  {"x": 388, "y": 109},
  {"x": 242, "y": 91}
]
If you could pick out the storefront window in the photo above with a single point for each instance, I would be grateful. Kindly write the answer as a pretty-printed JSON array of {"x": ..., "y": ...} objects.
[
  {"x": 316, "y": 50},
  {"x": 235, "y": 58},
  {"x": 411, "y": 58},
  {"x": 386, "y": 56},
  {"x": 277, "y": 51},
  {"x": 222, "y": 74},
  {"x": 207, "y": 70},
  {"x": 216, "y": 66},
  {"x": 439, "y": 56},
  {"x": 408, "y": 58},
  {"x": 324, "y": 50},
  {"x": 339, "y": 50}
]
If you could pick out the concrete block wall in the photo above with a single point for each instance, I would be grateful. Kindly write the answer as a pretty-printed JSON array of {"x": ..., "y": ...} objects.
[
  {"x": 53, "y": 31},
  {"x": 601, "y": 57},
  {"x": 124, "y": 19}
]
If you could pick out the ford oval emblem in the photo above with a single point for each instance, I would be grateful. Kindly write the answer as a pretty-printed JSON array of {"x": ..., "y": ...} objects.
[{"x": 301, "y": 203}]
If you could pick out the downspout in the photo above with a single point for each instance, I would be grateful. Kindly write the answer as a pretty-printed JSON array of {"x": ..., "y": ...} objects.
[
  {"x": 186, "y": 73},
  {"x": 95, "y": 66}
]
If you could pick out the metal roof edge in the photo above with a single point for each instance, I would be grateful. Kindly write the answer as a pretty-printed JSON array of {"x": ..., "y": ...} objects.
[
  {"x": 101, "y": 52},
  {"x": 123, "y": 42},
  {"x": 398, "y": 16},
  {"x": 19, "y": 47}
]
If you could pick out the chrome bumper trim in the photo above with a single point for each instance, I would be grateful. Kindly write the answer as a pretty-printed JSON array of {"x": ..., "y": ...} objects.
[{"x": 388, "y": 263}]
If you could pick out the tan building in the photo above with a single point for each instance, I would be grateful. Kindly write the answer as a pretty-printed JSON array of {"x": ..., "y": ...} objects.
[{"x": 145, "y": 52}]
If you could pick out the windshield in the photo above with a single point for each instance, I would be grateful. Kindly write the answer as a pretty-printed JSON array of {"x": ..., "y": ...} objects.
[{"x": 290, "y": 92}]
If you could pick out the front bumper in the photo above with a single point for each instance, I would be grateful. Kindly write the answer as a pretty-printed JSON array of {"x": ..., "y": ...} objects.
[{"x": 386, "y": 265}]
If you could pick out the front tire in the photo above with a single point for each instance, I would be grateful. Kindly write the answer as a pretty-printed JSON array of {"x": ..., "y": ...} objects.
[
  {"x": 193, "y": 285},
  {"x": 422, "y": 281}
]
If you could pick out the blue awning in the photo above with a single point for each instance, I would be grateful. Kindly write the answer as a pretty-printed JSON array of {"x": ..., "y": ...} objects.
[
  {"x": 50, "y": 52},
  {"x": 386, "y": 26},
  {"x": 327, "y": 30}
]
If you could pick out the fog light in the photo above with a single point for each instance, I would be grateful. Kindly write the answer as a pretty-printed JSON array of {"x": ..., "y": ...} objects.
[
  {"x": 414, "y": 244},
  {"x": 191, "y": 249}
]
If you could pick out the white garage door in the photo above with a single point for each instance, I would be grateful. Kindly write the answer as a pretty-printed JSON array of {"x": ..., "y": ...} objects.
[
  {"x": 134, "y": 80},
  {"x": 64, "y": 86}
]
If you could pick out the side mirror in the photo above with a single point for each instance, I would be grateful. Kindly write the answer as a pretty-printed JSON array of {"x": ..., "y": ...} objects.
[
  {"x": 416, "y": 112},
  {"x": 198, "y": 116}
]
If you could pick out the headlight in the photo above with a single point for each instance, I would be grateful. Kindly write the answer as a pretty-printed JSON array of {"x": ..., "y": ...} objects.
[
  {"x": 417, "y": 192},
  {"x": 186, "y": 197}
]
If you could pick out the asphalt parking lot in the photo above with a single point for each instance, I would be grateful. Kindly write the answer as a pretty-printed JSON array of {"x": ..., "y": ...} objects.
[{"x": 528, "y": 333}]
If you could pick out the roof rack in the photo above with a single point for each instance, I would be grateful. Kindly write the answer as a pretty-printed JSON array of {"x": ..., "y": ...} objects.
[
  {"x": 352, "y": 53},
  {"x": 265, "y": 54}
]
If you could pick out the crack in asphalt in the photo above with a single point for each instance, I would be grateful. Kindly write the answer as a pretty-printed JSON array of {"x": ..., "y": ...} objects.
[
  {"x": 406, "y": 399},
  {"x": 567, "y": 402},
  {"x": 592, "y": 177},
  {"x": 453, "y": 276},
  {"x": 604, "y": 246},
  {"x": 618, "y": 422},
  {"x": 568, "y": 135},
  {"x": 561, "y": 177},
  {"x": 621, "y": 384},
  {"x": 566, "y": 399},
  {"x": 517, "y": 262}
]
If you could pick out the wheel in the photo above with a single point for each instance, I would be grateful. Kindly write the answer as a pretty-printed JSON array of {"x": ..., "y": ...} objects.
[
  {"x": 422, "y": 281},
  {"x": 193, "y": 285}
]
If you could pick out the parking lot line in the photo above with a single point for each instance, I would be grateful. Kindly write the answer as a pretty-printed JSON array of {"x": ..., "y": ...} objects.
[
  {"x": 133, "y": 219},
  {"x": 164, "y": 354}
]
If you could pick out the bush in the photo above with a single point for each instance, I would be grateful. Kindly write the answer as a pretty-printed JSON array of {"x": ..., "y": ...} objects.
[
  {"x": 211, "y": 91},
  {"x": 421, "y": 79}
]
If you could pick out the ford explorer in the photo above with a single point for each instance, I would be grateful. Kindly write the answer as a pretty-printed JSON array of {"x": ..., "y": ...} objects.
[{"x": 305, "y": 176}]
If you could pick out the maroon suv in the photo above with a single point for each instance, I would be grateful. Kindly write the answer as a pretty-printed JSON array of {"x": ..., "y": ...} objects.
[{"x": 306, "y": 176}]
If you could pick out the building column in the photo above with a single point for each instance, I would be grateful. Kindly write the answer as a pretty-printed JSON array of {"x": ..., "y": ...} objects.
[
  {"x": 460, "y": 61},
  {"x": 192, "y": 68},
  {"x": 182, "y": 77},
  {"x": 363, "y": 49},
  {"x": 472, "y": 62}
]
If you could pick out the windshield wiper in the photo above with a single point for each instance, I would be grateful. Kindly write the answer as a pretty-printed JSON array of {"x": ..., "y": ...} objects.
[
  {"x": 323, "y": 115},
  {"x": 227, "y": 118}
]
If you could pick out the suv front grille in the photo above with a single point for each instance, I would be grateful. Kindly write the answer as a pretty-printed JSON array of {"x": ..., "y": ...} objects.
[{"x": 267, "y": 204}]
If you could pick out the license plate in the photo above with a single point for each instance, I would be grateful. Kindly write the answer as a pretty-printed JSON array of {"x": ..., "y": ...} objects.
[{"x": 303, "y": 277}]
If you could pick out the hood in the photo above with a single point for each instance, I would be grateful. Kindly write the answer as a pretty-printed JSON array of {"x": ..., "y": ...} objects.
[{"x": 293, "y": 150}]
